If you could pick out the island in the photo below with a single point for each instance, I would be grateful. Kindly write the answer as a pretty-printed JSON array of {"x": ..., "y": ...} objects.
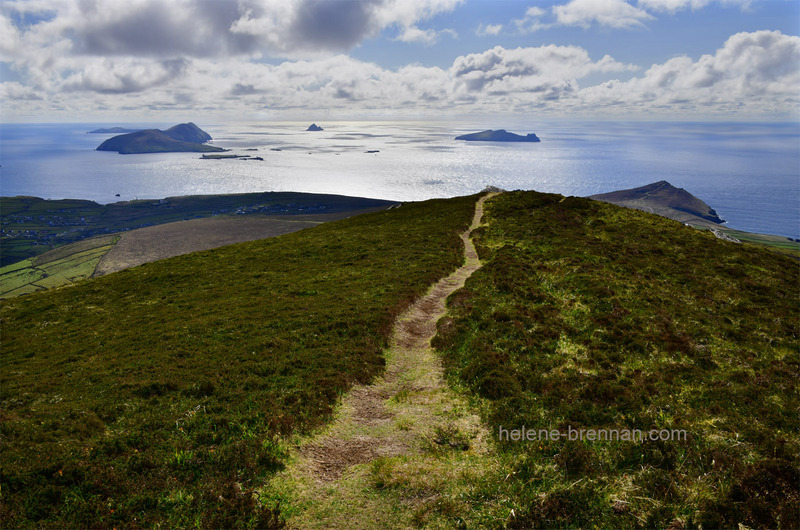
[
  {"x": 114, "y": 130},
  {"x": 185, "y": 137},
  {"x": 500, "y": 135},
  {"x": 314, "y": 127}
]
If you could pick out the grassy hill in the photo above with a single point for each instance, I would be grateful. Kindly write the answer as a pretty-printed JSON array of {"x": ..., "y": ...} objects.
[
  {"x": 164, "y": 394},
  {"x": 169, "y": 393},
  {"x": 590, "y": 316}
]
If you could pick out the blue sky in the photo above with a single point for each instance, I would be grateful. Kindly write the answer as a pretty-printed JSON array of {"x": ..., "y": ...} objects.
[{"x": 110, "y": 60}]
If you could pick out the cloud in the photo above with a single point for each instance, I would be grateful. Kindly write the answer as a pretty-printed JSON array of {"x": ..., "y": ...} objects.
[
  {"x": 672, "y": 6},
  {"x": 544, "y": 70},
  {"x": 488, "y": 29},
  {"x": 120, "y": 76},
  {"x": 584, "y": 13},
  {"x": 427, "y": 36},
  {"x": 15, "y": 91},
  {"x": 532, "y": 21},
  {"x": 757, "y": 71},
  {"x": 213, "y": 28},
  {"x": 618, "y": 14},
  {"x": 610, "y": 13},
  {"x": 295, "y": 29},
  {"x": 99, "y": 65},
  {"x": 157, "y": 29}
]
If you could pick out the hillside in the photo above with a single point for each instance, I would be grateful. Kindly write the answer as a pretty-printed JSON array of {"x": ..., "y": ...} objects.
[
  {"x": 589, "y": 316},
  {"x": 185, "y": 137},
  {"x": 165, "y": 394},
  {"x": 174, "y": 393}
]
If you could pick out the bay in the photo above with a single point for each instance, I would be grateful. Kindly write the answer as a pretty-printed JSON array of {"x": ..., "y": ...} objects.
[{"x": 748, "y": 172}]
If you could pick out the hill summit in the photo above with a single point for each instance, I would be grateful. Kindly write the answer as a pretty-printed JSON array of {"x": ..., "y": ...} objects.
[{"x": 184, "y": 137}]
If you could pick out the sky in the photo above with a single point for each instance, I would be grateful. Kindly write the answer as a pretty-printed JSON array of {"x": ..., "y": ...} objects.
[{"x": 232, "y": 60}]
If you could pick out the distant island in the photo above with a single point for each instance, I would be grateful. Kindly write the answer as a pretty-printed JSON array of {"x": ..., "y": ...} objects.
[
  {"x": 500, "y": 135},
  {"x": 185, "y": 137},
  {"x": 314, "y": 127},
  {"x": 662, "y": 198},
  {"x": 114, "y": 130}
]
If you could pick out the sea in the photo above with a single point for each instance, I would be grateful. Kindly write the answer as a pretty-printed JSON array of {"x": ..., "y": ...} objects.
[{"x": 748, "y": 172}]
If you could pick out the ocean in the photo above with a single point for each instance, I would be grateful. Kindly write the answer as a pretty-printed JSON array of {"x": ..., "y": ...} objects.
[{"x": 748, "y": 172}]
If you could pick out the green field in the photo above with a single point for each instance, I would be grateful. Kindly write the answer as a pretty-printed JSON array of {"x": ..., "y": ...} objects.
[
  {"x": 55, "y": 268},
  {"x": 166, "y": 394},
  {"x": 590, "y": 316}
]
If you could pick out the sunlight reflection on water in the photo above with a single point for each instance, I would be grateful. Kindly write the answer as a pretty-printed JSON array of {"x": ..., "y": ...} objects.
[{"x": 747, "y": 172}]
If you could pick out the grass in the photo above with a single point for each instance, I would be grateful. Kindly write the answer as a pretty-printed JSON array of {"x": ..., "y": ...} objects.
[
  {"x": 166, "y": 394},
  {"x": 587, "y": 315},
  {"x": 62, "y": 266},
  {"x": 169, "y": 394},
  {"x": 767, "y": 241}
]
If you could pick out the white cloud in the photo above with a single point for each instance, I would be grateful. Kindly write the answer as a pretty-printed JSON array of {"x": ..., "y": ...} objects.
[
  {"x": 424, "y": 36},
  {"x": 99, "y": 64},
  {"x": 619, "y": 14},
  {"x": 610, "y": 13},
  {"x": 532, "y": 21},
  {"x": 546, "y": 73},
  {"x": 488, "y": 29},
  {"x": 757, "y": 72},
  {"x": 15, "y": 91},
  {"x": 672, "y": 6}
]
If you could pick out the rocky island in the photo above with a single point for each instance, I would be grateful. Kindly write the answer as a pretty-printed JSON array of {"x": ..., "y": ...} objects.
[
  {"x": 500, "y": 135},
  {"x": 314, "y": 127},
  {"x": 185, "y": 137}
]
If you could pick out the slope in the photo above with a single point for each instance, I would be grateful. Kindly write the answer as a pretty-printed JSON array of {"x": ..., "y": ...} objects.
[{"x": 166, "y": 394}]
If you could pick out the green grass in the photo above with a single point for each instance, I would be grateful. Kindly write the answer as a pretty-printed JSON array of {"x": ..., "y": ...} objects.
[
  {"x": 62, "y": 266},
  {"x": 586, "y": 315},
  {"x": 166, "y": 394}
]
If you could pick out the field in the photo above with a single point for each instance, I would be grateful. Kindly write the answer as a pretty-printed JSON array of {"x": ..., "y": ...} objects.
[
  {"x": 166, "y": 394},
  {"x": 64, "y": 265}
]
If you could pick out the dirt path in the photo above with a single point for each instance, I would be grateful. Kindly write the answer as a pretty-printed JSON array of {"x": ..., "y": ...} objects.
[{"x": 397, "y": 445}]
